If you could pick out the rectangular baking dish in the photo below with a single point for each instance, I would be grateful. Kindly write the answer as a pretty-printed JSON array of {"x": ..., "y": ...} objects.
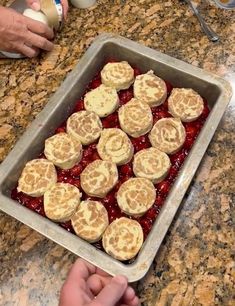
[{"x": 216, "y": 90}]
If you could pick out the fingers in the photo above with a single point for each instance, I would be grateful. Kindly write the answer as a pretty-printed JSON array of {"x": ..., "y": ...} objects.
[
  {"x": 28, "y": 51},
  {"x": 112, "y": 293},
  {"x": 130, "y": 298},
  {"x": 134, "y": 302},
  {"x": 129, "y": 294},
  {"x": 65, "y": 7},
  {"x": 39, "y": 28},
  {"x": 72, "y": 294},
  {"x": 38, "y": 36},
  {"x": 75, "y": 288},
  {"x": 96, "y": 283},
  {"x": 39, "y": 42},
  {"x": 34, "y": 4},
  {"x": 81, "y": 270}
]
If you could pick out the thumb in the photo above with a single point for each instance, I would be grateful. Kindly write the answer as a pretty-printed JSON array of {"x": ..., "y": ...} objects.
[
  {"x": 111, "y": 293},
  {"x": 34, "y": 4}
]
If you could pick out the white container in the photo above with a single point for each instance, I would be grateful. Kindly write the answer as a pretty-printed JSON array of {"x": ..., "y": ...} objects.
[
  {"x": 83, "y": 3},
  {"x": 36, "y": 15}
]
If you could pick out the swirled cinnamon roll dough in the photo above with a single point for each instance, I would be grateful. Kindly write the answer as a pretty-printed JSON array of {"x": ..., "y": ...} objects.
[
  {"x": 37, "y": 177},
  {"x": 90, "y": 220},
  {"x": 186, "y": 104},
  {"x": 168, "y": 135},
  {"x": 114, "y": 145},
  {"x": 61, "y": 202},
  {"x": 102, "y": 100},
  {"x": 123, "y": 238},
  {"x": 84, "y": 126},
  {"x": 136, "y": 196},
  {"x": 99, "y": 177},
  {"x": 118, "y": 75},
  {"x": 135, "y": 118},
  {"x": 63, "y": 150},
  {"x": 151, "y": 164},
  {"x": 150, "y": 88}
]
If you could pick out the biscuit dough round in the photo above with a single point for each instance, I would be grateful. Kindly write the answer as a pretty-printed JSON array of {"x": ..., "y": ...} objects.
[
  {"x": 186, "y": 104},
  {"x": 37, "y": 177},
  {"x": 135, "y": 118},
  {"x": 63, "y": 150},
  {"x": 123, "y": 238},
  {"x": 99, "y": 177},
  {"x": 90, "y": 220},
  {"x": 150, "y": 89},
  {"x": 119, "y": 75},
  {"x": 102, "y": 100},
  {"x": 151, "y": 164},
  {"x": 168, "y": 135},
  {"x": 115, "y": 146},
  {"x": 61, "y": 202},
  {"x": 136, "y": 196},
  {"x": 84, "y": 126}
]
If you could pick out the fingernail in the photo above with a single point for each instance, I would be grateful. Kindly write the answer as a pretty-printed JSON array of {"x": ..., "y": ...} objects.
[{"x": 36, "y": 6}]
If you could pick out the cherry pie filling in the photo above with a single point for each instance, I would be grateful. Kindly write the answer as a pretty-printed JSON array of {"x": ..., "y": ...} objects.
[{"x": 90, "y": 154}]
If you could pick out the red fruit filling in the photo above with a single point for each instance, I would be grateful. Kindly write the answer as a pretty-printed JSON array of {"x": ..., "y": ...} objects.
[
  {"x": 95, "y": 83},
  {"x": 126, "y": 170},
  {"x": 61, "y": 129},
  {"x": 111, "y": 121},
  {"x": 172, "y": 174},
  {"x": 68, "y": 226},
  {"x": 152, "y": 213},
  {"x": 160, "y": 112},
  {"x": 76, "y": 170},
  {"x": 137, "y": 71},
  {"x": 79, "y": 106},
  {"x": 169, "y": 87},
  {"x": 146, "y": 225},
  {"x": 159, "y": 201},
  {"x": 140, "y": 143},
  {"x": 192, "y": 129},
  {"x": 205, "y": 111},
  {"x": 125, "y": 95},
  {"x": 163, "y": 188},
  {"x": 179, "y": 157}
]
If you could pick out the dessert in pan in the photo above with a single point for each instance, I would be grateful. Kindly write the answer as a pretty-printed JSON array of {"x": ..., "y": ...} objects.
[{"x": 107, "y": 170}]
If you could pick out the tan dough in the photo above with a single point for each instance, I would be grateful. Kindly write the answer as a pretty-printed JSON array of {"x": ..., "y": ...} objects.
[
  {"x": 90, "y": 220},
  {"x": 37, "y": 177},
  {"x": 123, "y": 238}
]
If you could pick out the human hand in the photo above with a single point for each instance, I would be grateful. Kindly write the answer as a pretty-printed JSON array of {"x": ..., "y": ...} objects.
[
  {"x": 87, "y": 285},
  {"x": 23, "y": 35},
  {"x": 35, "y": 5}
]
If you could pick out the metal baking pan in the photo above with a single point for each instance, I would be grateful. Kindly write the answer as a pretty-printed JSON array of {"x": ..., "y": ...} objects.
[{"x": 216, "y": 90}]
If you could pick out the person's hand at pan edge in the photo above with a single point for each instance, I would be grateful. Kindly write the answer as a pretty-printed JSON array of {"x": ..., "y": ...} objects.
[{"x": 86, "y": 285}]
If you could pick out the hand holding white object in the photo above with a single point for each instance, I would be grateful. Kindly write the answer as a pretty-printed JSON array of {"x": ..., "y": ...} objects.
[{"x": 22, "y": 34}]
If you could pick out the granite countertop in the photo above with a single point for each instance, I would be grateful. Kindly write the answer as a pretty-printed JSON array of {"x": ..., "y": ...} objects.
[{"x": 195, "y": 265}]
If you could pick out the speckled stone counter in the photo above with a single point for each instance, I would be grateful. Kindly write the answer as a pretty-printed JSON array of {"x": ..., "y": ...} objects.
[{"x": 195, "y": 265}]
